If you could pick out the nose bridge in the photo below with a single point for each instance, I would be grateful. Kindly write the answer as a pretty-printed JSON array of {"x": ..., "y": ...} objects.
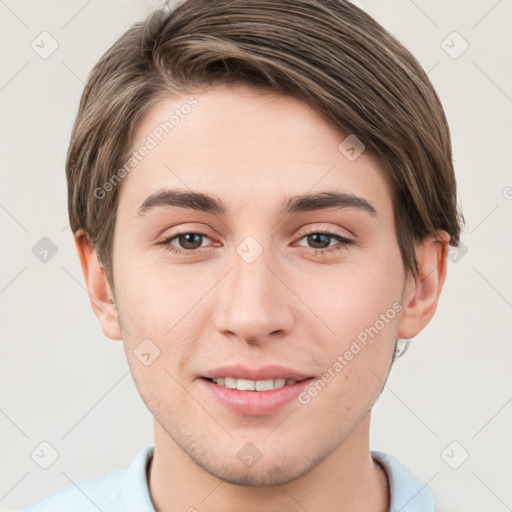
[
  {"x": 253, "y": 303},
  {"x": 250, "y": 273}
]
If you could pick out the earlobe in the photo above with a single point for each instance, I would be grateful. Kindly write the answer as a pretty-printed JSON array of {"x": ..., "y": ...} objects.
[
  {"x": 421, "y": 292},
  {"x": 100, "y": 294}
]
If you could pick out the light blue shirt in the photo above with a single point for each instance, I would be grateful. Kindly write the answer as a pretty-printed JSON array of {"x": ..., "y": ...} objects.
[{"x": 126, "y": 490}]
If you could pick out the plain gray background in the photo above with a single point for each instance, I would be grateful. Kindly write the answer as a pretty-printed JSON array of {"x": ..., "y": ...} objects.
[{"x": 446, "y": 411}]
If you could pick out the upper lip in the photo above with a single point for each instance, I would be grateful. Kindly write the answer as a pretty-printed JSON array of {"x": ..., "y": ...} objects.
[{"x": 239, "y": 371}]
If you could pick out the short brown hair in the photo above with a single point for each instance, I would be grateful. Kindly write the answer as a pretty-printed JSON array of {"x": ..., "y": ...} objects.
[{"x": 327, "y": 53}]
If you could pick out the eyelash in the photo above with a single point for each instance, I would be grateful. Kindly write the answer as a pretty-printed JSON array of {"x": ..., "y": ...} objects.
[{"x": 344, "y": 242}]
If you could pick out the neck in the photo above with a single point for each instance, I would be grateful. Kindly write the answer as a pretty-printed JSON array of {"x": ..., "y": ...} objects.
[{"x": 348, "y": 480}]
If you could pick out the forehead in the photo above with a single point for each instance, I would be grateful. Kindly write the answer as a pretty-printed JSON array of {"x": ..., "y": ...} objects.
[{"x": 246, "y": 146}]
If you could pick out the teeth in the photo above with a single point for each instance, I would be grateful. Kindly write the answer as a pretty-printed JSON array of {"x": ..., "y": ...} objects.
[{"x": 252, "y": 385}]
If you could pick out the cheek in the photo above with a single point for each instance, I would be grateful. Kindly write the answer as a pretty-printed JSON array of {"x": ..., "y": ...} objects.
[
  {"x": 157, "y": 310},
  {"x": 159, "y": 386},
  {"x": 351, "y": 300},
  {"x": 154, "y": 299},
  {"x": 362, "y": 308}
]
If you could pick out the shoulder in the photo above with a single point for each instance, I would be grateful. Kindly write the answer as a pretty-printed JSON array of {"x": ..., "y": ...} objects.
[
  {"x": 408, "y": 493},
  {"x": 110, "y": 492}
]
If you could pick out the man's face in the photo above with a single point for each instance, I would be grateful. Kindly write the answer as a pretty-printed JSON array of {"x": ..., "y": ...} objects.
[{"x": 253, "y": 286}]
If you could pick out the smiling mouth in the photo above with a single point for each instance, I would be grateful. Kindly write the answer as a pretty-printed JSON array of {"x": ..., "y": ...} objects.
[{"x": 252, "y": 385}]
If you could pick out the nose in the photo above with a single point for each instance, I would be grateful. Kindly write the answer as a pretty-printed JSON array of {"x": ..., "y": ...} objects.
[{"x": 254, "y": 304}]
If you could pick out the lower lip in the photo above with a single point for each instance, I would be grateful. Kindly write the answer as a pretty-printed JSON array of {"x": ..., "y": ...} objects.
[{"x": 255, "y": 403}]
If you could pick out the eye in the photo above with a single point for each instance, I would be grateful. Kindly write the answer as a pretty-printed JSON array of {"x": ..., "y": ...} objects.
[
  {"x": 321, "y": 241},
  {"x": 189, "y": 242}
]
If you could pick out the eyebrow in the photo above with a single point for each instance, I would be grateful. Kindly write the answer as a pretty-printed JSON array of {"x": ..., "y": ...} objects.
[
  {"x": 298, "y": 203},
  {"x": 322, "y": 200}
]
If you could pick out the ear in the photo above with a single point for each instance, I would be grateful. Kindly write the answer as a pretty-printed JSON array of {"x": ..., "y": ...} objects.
[
  {"x": 100, "y": 294},
  {"x": 421, "y": 292}
]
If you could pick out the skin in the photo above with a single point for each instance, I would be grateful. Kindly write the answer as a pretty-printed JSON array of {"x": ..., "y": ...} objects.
[{"x": 294, "y": 305}]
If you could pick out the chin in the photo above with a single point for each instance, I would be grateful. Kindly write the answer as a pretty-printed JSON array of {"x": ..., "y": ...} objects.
[
  {"x": 258, "y": 477},
  {"x": 266, "y": 472}
]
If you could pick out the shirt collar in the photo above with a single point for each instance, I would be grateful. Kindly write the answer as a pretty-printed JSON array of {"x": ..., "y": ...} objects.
[
  {"x": 407, "y": 492},
  {"x": 135, "y": 492}
]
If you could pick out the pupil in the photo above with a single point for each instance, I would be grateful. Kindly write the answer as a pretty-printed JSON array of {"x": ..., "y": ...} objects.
[
  {"x": 311, "y": 238},
  {"x": 189, "y": 244}
]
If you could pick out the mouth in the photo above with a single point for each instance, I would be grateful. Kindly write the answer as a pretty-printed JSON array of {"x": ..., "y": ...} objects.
[
  {"x": 253, "y": 385},
  {"x": 253, "y": 398}
]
